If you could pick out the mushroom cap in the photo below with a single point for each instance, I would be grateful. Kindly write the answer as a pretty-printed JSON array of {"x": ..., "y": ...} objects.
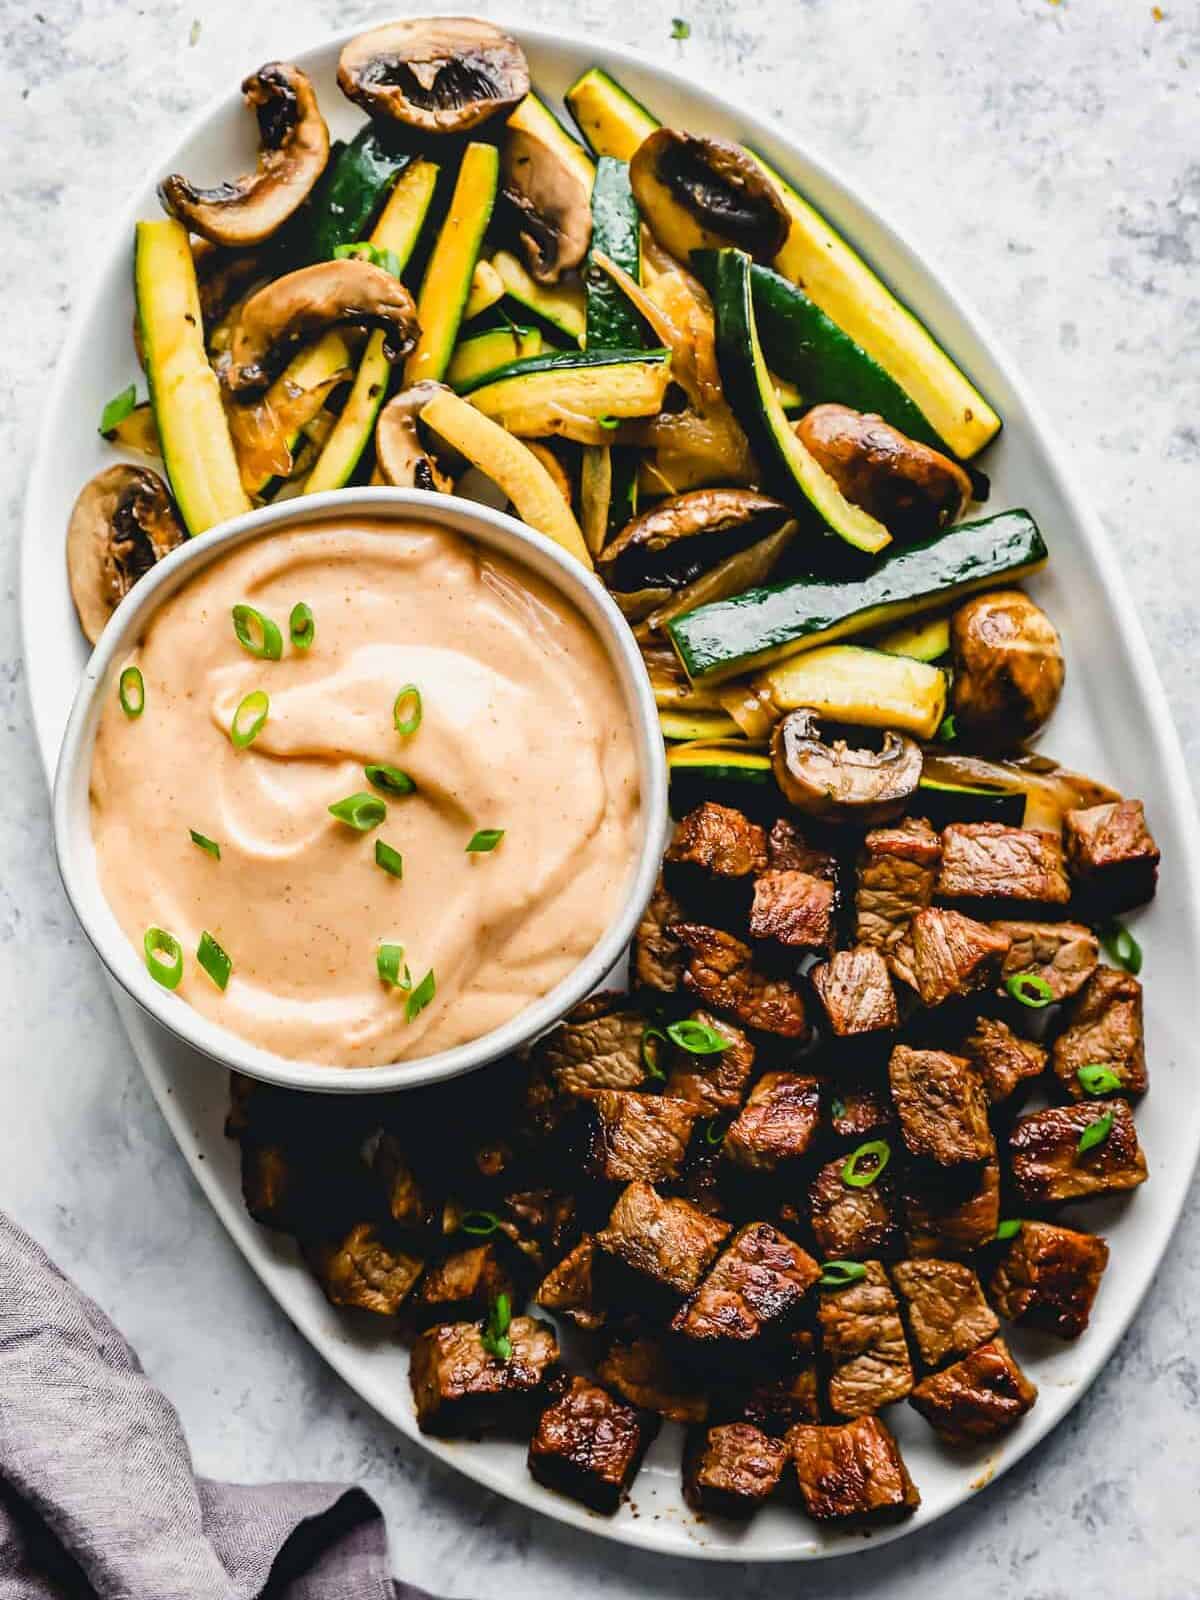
[
  {"x": 677, "y": 539},
  {"x": 837, "y": 782},
  {"x": 554, "y": 200},
  {"x": 439, "y": 74},
  {"x": 294, "y": 147},
  {"x": 400, "y": 455},
  {"x": 123, "y": 521},
  {"x": 722, "y": 191},
  {"x": 1008, "y": 667}
]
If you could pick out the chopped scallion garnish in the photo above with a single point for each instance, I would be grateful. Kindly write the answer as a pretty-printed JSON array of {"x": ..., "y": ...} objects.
[
  {"x": 866, "y": 1163},
  {"x": 485, "y": 840},
  {"x": 653, "y": 1040},
  {"x": 1122, "y": 946},
  {"x": 249, "y": 718},
  {"x": 131, "y": 692},
  {"x": 840, "y": 1274},
  {"x": 1095, "y": 1133},
  {"x": 117, "y": 409},
  {"x": 1030, "y": 989},
  {"x": 406, "y": 710},
  {"x": 301, "y": 626},
  {"x": 1095, "y": 1078},
  {"x": 209, "y": 846},
  {"x": 391, "y": 780},
  {"x": 715, "y": 1131},
  {"x": 361, "y": 811},
  {"x": 214, "y": 960},
  {"x": 390, "y": 860},
  {"x": 257, "y": 634},
  {"x": 164, "y": 957},
  {"x": 420, "y": 997},
  {"x": 389, "y": 964},
  {"x": 697, "y": 1038},
  {"x": 1009, "y": 1228},
  {"x": 495, "y": 1338},
  {"x": 480, "y": 1223}
]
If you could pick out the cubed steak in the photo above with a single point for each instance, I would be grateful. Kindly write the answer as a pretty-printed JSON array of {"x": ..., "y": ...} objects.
[
  {"x": 775, "y": 1403},
  {"x": 856, "y": 994},
  {"x": 731, "y": 1470},
  {"x": 1049, "y": 1277},
  {"x": 670, "y": 1243},
  {"x": 396, "y": 1176},
  {"x": 863, "y": 1340},
  {"x": 897, "y": 869},
  {"x": 941, "y": 1105},
  {"x": 860, "y": 1108},
  {"x": 642, "y": 1372},
  {"x": 364, "y": 1270},
  {"x": 1104, "y": 1029},
  {"x": 570, "y": 1287},
  {"x": 777, "y": 1124},
  {"x": 1003, "y": 1060},
  {"x": 945, "y": 955},
  {"x": 459, "y": 1387},
  {"x": 794, "y": 909},
  {"x": 714, "y": 843},
  {"x": 1048, "y": 1166},
  {"x": 789, "y": 851},
  {"x": 722, "y": 975},
  {"x": 977, "y": 1398},
  {"x": 658, "y": 958},
  {"x": 589, "y": 1445},
  {"x": 1062, "y": 954},
  {"x": 755, "y": 1288},
  {"x": 987, "y": 861},
  {"x": 1112, "y": 856},
  {"x": 270, "y": 1189},
  {"x": 946, "y": 1310},
  {"x": 632, "y": 1136},
  {"x": 952, "y": 1211},
  {"x": 462, "y": 1286},
  {"x": 599, "y": 1046},
  {"x": 853, "y": 1221},
  {"x": 852, "y": 1471},
  {"x": 715, "y": 1083}
]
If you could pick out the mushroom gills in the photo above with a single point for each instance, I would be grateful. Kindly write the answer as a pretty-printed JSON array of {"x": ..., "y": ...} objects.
[
  {"x": 670, "y": 545},
  {"x": 548, "y": 179},
  {"x": 838, "y": 782},
  {"x": 123, "y": 522},
  {"x": 439, "y": 74},
  {"x": 700, "y": 193}
]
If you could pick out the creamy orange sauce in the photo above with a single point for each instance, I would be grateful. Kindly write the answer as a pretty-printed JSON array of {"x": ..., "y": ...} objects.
[{"x": 524, "y": 728}]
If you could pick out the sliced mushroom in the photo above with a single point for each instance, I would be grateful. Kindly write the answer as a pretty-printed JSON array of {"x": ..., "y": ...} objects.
[
  {"x": 294, "y": 147},
  {"x": 400, "y": 453},
  {"x": 439, "y": 74},
  {"x": 223, "y": 277},
  {"x": 554, "y": 200},
  {"x": 838, "y": 783},
  {"x": 670, "y": 545},
  {"x": 909, "y": 487},
  {"x": 1050, "y": 790},
  {"x": 122, "y": 523},
  {"x": 304, "y": 303},
  {"x": 698, "y": 193}
]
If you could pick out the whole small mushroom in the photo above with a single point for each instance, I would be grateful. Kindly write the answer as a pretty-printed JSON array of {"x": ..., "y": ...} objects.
[
  {"x": 122, "y": 523},
  {"x": 438, "y": 74},
  {"x": 840, "y": 783},
  {"x": 1008, "y": 667}
]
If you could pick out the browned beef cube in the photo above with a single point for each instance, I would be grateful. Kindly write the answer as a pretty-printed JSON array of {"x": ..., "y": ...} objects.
[
  {"x": 718, "y": 843},
  {"x": 599, "y": 1046},
  {"x": 1047, "y": 1165},
  {"x": 776, "y": 1404},
  {"x": 856, "y": 992},
  {"x": 637, "y": 1135},
  {"x": 1112, "y": 856},
  {"x": 854, "y": 1470},
  {"x": 941, "y": 1104},
  {"x": 642, "y": 1372},
  {"x": 947, "y": 1314},
  {"x": 896, "y": 873},
  {"x": 756, "y": 1287},
  {"x": 364, "y": 1271},
  {"x": 541, "y": 1223},
  {"x": 713, "y": 1083},
  {"x": 789, "y": 851},
  {"x": 721, "y": 974},
  {"x": 589, "y": 1445},
  {"x": 269, "y": 1185},
  {"x": 944, "y": 956},
  {"x": 460, "y": 1388},
  {"x": 777, "y": 1124},
  {"x": 952, "y": 1211},
  {"x": 463, "y": 1286},
  {"x": 397, "y": 1178},
  {"x": 859, "y": 1109},
  {"x": 658, "y": 958},
  {"x": 1001, "y": 1058},
  {"x": 1062, "y": 954},
  {"x": 863, "y": 1339},
  {"x": 570, "y": 1288},
  {"x": 989, "y": 861},
  {"x": 1104, "y": 1029},
  {"x": 1049, "y": 1277},
  {"x": 850, "y": 1223},
  {"x": 731, "y": 1470},
  {"x": 669, "y": 1242},
  {"x": 977, "y": 1398},
  {"x": 794, "y": 909}
]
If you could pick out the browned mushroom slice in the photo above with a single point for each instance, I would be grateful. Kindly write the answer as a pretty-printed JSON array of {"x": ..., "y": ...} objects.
[
  {"x": 123, "y": 522},
  {"x": 912, "y": 489},
  {"x": 698, "y": 193},
  {"x": 554, "y": 198},
  {"x": 843, "y": 785},
  {"x": 670, "y": 545},
  {"x": 294, "y": 147},
  {"x": 400, "y": 452},
  {"x": 1008, "y": 667},
  {"x": 304, "y": 303},
  {"x": 439, "y": 74}
]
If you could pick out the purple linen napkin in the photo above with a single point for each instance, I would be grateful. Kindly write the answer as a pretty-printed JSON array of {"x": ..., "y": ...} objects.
[{"x": 97, "y": 1492}]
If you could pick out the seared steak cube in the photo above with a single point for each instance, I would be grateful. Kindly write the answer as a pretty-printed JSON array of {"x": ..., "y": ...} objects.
[
  {"x": 849, "y": 1223},
  {"x": 896, "y": 873},
  {"x": 863, "y": 1339},
  {"x": 856, "y": 992},
  {"x": 669, "y": 1242},
  {"x": 460, "y": 1388},
  {"x": 597, "y": 1047},
  {"x": 717, "y": 843},
  {"x": 1062, "y": 954},
  {"x": 989, "y": 861},
  {"x": 1002, "y": 1058},
  {"x": 731, "y": 1470},
  {"x": 789, "y": 851},
  {"x": 941, "y": 1105},
  {"x": 947, "y": 1314},
  {"x": 637, "y": 1135},
  {"x": 777, "y": 1404},
  {"x": 397, "y": 1178},
  {"x": 1105, "y": 1030},
  {"x": 952, "y": 1211},
  {"x": 977, "y": 1398},
  {"x": 1112, "y": 856},
  {"x": 641, "y": 1371},
  {"x": 1048, "y": 1166},
  {"x": 777, "y": 1124},
  {"x": 462, "y": 1286},
  {"x": 859, "y": 1109},
  {"x": 945, "y": 955},
  {"x": 269, "y": 1185},
  {"x": 658, "y": 959},
  {"x": 1049, "y": 1277},
  {"x": 721, "y": 974},
  {"x": 851, "y": 1471},
  {"x": 714, "y": 1083},
  {"x": 570, "y": 1287},
  {"x": 756, "y": 1287},
  {"x": 364, "y": 1270},
  {"x": 589, "y": 1445},
  {"x": 793, "y": 909}
]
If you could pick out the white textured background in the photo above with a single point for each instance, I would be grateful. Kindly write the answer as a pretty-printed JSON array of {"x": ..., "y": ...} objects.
[{"x": 1049, "y": 156}]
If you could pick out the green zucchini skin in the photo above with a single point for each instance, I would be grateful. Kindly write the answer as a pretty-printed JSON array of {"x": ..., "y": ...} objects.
[
  {"x": 566, "y": 361},
  {"x": 352, "y": 190},
  {"x": 612, "y": 323},
  {"x": 730, "y": 636},
  {"x": 944, "y": 803}
]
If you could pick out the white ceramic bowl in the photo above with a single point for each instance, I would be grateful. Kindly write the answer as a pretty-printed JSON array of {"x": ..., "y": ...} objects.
[{"x": 72, "y": 815}]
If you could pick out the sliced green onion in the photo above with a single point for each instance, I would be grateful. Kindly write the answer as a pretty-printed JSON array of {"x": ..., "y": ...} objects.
[
  {"x": 164, "y": 957},
  {"x": 840, "y": 1274},
  {"x": 485, "y": 840},
  {"x": 301, "y": 626},
  {"x": 366, "y": 251},
  {"x": 857, "y": 1173},
  {"x": 480, "y": 1223},
  {"x": 697, "y": 1038},
  {"x": 361, "y": 811},
  {"x": 387, "y": 858},
  {"x": 1029, "y": 989},
  {"x": 209, "y": 846},
  {"x": 1009, "y": 1229},
  {"x": 1096, "y": 1078},
  {"x": 257, "y": 634},
  {"x": 947, "y": 730},
  {"x": 131, "y": 692},
  {"x": 391, "y": 780},
  {"x": 680, "y": 28},
  {"x": 1095, "y": 1133},
  {"x": 495, "y": 1338},
  {"x": 420, "y": 996},
  {"x": 117, "y": 409},
  {"x": 389, "y": 960},
  {"x": 214, "y": 960},
  {"x": 715, "y": 1131},
  {"x": 255, "y": 706},
  {"x": 406, "y": 710},
  {"x": 653, "y": 1040},
  {"x": 611, "y": 423},
  {"x": 1122, "y": 946},
  {"x": 837, "y": 1107}
]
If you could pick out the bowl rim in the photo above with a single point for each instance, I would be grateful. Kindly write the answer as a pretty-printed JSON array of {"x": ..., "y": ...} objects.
[{"x": 496, "y": 530}]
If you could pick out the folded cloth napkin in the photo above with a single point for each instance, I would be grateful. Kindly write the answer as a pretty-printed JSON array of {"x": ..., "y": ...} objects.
[{"x": 97, "y": 1492}]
